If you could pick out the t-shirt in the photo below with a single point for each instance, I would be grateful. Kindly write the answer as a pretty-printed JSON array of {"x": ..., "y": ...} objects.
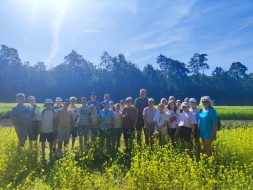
[
  {"x": 47, "y": 121},
  {"x": 56, "y": 108},
  {"x": 150, "y": 113},
  {"x": 35, "y": 113},
  {"x": 173, "y": 116},
  {"x": 64, "y": 117},
  {"x": 75, "y": 112},
  {"x": 207, "y": 118},
  {"x": 95, "y": 103},
  {"x": 186, "y": 119},
  {"x": 107, "y": 116},
  {"x": 94, "y": 118},
  {"x": 84, "y": 115},
  {"x": 140, "y": 104},
  {"x": 160, "y": 118},
  {"x": 129, "y": 120},
  {"x": 117, "y": 120},
  {"x": 195, "y": 113},
  {"x": 22, "y": 115},
  {"x": 121, "y": 109}
]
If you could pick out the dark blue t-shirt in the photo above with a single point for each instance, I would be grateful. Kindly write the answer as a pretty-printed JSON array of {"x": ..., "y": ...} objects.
[{"x": 22, "y": 115}]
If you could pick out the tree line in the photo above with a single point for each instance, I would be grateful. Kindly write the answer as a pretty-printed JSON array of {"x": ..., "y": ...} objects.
[{"x": 122, "y": 78}]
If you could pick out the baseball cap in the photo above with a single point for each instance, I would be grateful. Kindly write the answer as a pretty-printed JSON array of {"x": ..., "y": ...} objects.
[
  {"x": 185, "y": 104},
  {"x": 58, "y": 99},
  {"x": 193, "y": 100},
  {"x": 178, "y": 101},
  {"x": 105, "y": 102},
  {"x": 93, "y": 94},
  {"x": 48, "y": 101},
  {"x": 66, "y": 101},
  {"x": 31, "y": 97},
  {"x": 111, "y": 102},
  {"x": 151, "y": 100}
]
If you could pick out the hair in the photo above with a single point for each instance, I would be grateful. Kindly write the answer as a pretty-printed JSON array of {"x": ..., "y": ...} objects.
[
  {"x": 169, "y": 108},
  {"x": 171, "y": 98},
  {"x": 160, "y": 105},
  {"x": 186, "y": 98},
  {"x": 71, "y": 98},
  {"x": 163, "y": 99},
  {"x": 20, "y": 95},
  {"x": 129, "y": 99},
  {"x": 117, "y": 104},
  {"x": 143, "y": 90},
  {"x": 83, "y": 98},
  {"x": 107, "y": 95},
  {"x": 206, "y": 98}
]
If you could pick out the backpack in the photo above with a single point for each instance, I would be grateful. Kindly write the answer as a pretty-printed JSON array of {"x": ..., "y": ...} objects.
[
  {"x": 33, "y": 111},
  {"x": 43, "y": 112},
  {"x": 218, "y": 122}
]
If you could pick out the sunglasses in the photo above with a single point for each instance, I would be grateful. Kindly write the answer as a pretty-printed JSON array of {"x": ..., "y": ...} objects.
[{"x": 205, "y": 102}]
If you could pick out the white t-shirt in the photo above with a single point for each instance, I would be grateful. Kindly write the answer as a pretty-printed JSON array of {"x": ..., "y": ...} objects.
[
  {"x": 117, "y": 120},
  {"x": 47, "y": 121},
  {"x": 195, "y": 113},
  {"x": 160, "y": 118},
  {"x": 75, "y": 112},
  {"x": 173, "y": 118},
  {"x": 186, "y": 119}
]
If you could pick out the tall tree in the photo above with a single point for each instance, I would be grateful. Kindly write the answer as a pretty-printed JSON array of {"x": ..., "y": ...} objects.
[
  {"x": 198, "y": 62},
  {"x": 237, "y": 70}
]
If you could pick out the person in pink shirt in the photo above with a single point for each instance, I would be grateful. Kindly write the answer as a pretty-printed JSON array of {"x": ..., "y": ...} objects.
[{"x": 186, "y": 123}]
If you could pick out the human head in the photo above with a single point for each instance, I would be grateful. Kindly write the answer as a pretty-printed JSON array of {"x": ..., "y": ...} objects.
[
  {"x": 186, "y": 100},
  {"x": 72, "y": 100},
  {"x": 161, "y": 107},
  {"x": 129, "y": 101},
  {"x": 20, "y": 98},
  {"x": 163, "y": 101},
  {"x": 105, "y": 104},
  {"x": 172, "y": 105},
  {"x": 48, "y": 104},
  {"x": 84, "y": 101},
  {"x": 107, "y": 97},
  {"x": 206, "y": 101},
  {"x": 192, "y": 102},
  {"x": 111, "y": 104},
  {"x": 185, "y": 106},
  {"x": 143, "y": 93},
  {"x": 151, "y": 102},
  {"x": 58, "y": 101},
  {"x": 178, "y": 103},
  {"x": 93, "y": 108},
  {"x": 122, "y": 103},
  {"x": 31, "y": 100},
  {"x": 171, "y": 98},
  {"x": 117, "y": 108},
  {"x": 66, "y": 103},
  {"x": 93, "y": 96}
]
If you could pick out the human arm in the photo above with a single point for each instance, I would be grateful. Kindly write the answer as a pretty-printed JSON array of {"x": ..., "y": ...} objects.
[
  {"x": 13, "y": 121},
  {"x": 56, "y": 120},
  {"x": 136, "y": 117},
  {"x": 145, "y": 117},
  {"x": 71, "y": 121},
  {"x": 214, "y": 118}
]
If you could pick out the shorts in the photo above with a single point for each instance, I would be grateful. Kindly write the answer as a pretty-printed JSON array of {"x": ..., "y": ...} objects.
[
  {"x": 94, "y": 131},
  {"x": 118, "y": 132},
  {"x": 83, "y": 130},
  {"x": 196, "y": 132},
  {"x": 128, "y": 132},
  {"x": 47, "y": 136},
  {"x": 73, "y": 133},
  {"x": 34, "y": 135},
  {"x": 206, "y": 134},
  {"x": 140, "y": 123},
  {"x": 22, "y": 136},
  {"x": 185, "y": 133},
  {"x": 172, "y": 131},
  {"x": 63, "y": 134},
  {"x": 105, "y": 132}
]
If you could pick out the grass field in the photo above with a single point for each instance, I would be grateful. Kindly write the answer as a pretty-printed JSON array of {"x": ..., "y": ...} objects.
[
  {"x": 231, "y": 166},
  {"x": 225, "y": 112}
]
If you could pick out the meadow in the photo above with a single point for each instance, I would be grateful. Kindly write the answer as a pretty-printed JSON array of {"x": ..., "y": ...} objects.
[
  {"x": 225, "y": 112},
  {"x": 165, "y": 167}
]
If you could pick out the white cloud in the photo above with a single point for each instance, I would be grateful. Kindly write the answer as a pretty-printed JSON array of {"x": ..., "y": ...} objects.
[{"x": 91, "y": 30}]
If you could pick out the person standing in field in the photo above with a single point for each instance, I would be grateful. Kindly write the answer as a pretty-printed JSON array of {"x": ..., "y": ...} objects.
[
  {"x": 173, "y": 114},
  {"x": 58, "y": 105},
  {"x": 83, "y": 123},
  {"x": 46, "y": 127},
  {"x": 164, "y": 102},
  {"x": 178, "y": 104},
  {"x": 117, "y": 125},
  {"x": 122, "y": 105},
  {"x": 63, "y": 126},
  {"x": 195, "y": 112},
  {"x": 186, "y": 122},
  {"x": 148, "y": 115},
  {"x": 94, "y": 123},
  {"x": 35, "y": 110},
  {"x": 129, "y": 120},
  {"x": 186, "y": 100},
  {"x": 140, "y": 103},
  {"x": 94, "y": 102},
  {"x": 75, "y": 115},
  {"x": 208, "y": 120},
  {"x": 107, "y": 98},
  {"x": 111, "y": 105},
  {"x": 21, "y": 119}
]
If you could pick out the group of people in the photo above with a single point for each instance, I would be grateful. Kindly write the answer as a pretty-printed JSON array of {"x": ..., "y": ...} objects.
[{"x": 57, "y": 123}]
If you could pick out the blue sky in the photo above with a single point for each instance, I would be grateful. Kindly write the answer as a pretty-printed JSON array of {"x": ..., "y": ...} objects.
[{"x": 47, "y": 30}]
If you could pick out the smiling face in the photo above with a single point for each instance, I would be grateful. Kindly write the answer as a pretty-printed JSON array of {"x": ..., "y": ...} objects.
[
  {"x": 205, "y": 103},
  {"x": 192, "y": 104},
  {"x": 143, "y": 93},
  {"x": 172, "y": 105},
  {"x": 117, "y": 108},
  {"x": 83, "y": 101},
  {"x": 20, "y": 100}
]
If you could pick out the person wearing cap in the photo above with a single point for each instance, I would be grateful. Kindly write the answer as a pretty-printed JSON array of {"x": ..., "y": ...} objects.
[
  {"x": 173, "y": 114},
  {"x": 208, "y": 120},
  {"x": 21, "y": 119},
  {"x": 149, "y": 125},
  {"x": 195, "y": 112},
  {"x": 122, "y": 105},
  {"x": 58, "y": 102},
  {"x": 63, "y": 125},
  {"x": 94, "y": 123},
  {"x": 111, "y": 105},
  {"x": 117, "y": 125},
  {"x": 140, "y": 103},
  {"x": 93, "y": 101},
  {"x": 186, "y": 126},
  {"x": 75, "y": 115},
  {"x": 46, "y": 126},
  {"x": 129, "y": 120},
  {"x": 83, "y": 123},
  {"x": 106, "y": 97},
  {"x": 35, "y": 110},
  {"x": 178, "y": 104},
  {"x": 106, "y": 120}
]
